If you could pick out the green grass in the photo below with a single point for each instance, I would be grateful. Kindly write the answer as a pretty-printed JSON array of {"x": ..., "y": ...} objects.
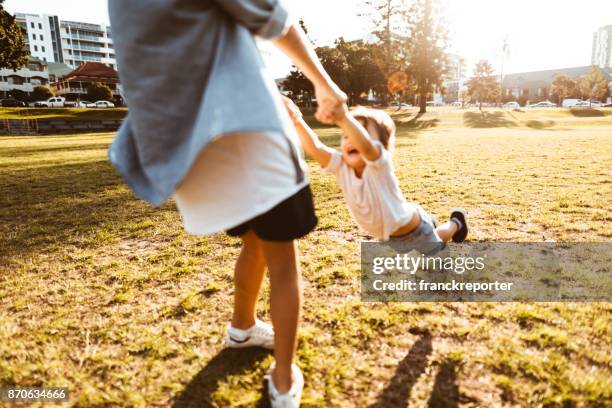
[
  {"x": 63, "y": 113},
  {"x": 109, "y": 296}
]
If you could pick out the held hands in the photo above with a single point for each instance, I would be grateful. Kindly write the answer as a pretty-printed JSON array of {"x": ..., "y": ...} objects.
[
  {"x": 332, "y": 103},
  {"x": 335, "y": 113}
]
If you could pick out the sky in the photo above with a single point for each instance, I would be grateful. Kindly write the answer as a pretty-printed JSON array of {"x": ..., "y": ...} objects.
[{"x": 542, "y": 34}]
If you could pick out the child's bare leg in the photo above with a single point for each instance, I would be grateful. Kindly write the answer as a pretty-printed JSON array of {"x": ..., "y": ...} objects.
[
  {"x": 446, "y": 230},
  {"x": 248, "y": 275},
  {"x": 285, "y": 303}
]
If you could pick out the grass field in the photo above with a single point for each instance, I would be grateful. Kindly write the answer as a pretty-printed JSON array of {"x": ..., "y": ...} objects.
[{"x": 109, "y": 296}]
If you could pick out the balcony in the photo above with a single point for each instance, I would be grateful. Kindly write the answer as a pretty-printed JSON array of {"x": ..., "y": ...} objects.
[
  {"x": 86, "y": 37},
  {"x": 85, "y": 48}
]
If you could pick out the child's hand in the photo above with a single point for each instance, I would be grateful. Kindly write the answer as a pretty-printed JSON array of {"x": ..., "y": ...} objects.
[
  {"x": 292, "y": 109},
  {"x": 334, "y": 112}
]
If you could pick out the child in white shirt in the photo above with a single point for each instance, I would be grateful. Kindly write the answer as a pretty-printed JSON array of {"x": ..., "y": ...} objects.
[{"x": 364, "y": 170}]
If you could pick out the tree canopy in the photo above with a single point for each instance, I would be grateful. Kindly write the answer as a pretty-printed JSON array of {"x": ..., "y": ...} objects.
[
  {"x": 13, "y": 51},
  {"x": 562, "y": 87},
  {"x": 594, "y": 84},
  {"x": 426, "y": 48},
  {"x": 483, "y": 86}
]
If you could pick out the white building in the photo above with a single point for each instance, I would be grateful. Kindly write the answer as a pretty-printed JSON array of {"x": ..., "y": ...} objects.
[
  {"x": 69, "y": 42},
  {"x": 24, "y": 79},
  {"x": 602, "y": 47}
]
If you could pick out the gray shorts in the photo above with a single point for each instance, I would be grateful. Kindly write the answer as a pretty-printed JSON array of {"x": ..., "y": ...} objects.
[{"x": 425, "y": 238}]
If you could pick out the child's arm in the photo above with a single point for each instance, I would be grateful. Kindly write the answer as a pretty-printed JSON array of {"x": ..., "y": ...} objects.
[
  {"x": 356, "y": 133},
  {"x": 310, "y": 141}
]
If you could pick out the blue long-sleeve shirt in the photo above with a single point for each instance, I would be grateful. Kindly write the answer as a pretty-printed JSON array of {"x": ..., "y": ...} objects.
[{"x": 190, "y": 71}]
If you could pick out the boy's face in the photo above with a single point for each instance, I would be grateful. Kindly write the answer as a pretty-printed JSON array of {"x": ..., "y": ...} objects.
[{"x": 350, "y": 154}]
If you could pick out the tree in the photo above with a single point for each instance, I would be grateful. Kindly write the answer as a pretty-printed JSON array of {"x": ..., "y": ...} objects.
[
  {"x": 351, "y": 65},
  {"x": 13, "y": 51},
  {"x": 594, "y": 84},
  {"x": 42, "y": 93},
  {"x": 387, "y": 19},
  {"x": 99, "y": 92},
  {"x": 361, "y": 71},
  {"x": 426, "y": 48},
  {"x": 563, "y": 87},
  {"x": 483, "y": 86}
]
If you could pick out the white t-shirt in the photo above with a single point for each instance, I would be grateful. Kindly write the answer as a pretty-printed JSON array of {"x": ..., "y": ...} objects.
[
  {"x": 374, "y": 200},
  {"x": 237, "y": 177}
]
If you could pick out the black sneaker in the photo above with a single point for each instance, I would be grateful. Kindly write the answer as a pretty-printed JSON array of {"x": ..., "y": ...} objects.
[{"x": 461, "y": 216}]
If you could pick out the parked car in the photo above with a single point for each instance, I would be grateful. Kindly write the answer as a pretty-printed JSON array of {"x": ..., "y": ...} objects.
[
  {"x": 101, "y": 104},
  {"x": 543, "y": 104},
  {"x": 54, "y": 102},
  {"x": 401, "y": 105},
  {"x": 580, "y": 104},
  {"x": 12, "y": 103},
  {"x": 594, "y": 104},
  {"x": 568, "y": 103},
  {"x": 434, "y": 103},
  {"x": 512, "y": 105},
  {"x": 607, "y": 105},
  {"x": 84, "y": 104}
]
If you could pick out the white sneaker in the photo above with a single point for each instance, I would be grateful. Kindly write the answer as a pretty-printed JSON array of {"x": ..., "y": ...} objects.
[
  {"x": 290, "y": 399},
  {"x": 259, "y": 335}
]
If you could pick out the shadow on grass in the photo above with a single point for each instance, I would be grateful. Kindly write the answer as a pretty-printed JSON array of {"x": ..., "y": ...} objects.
[
  {"x": 487, "y": 120},
  {"x": 587, "y": 113},
  {"x": 63, "y": 204},
  {"x": 540, "y": 124},
  {"x": 445, "y": 391},
  {"x": 201, "y": 389},
  {"x": 397, "y": 392}
]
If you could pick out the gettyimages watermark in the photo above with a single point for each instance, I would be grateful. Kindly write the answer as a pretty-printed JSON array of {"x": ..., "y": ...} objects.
[{"x": 486, "y": 272}]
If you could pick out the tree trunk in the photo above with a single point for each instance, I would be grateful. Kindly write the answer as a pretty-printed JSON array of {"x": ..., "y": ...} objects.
[{"x": 423, "y": 102}]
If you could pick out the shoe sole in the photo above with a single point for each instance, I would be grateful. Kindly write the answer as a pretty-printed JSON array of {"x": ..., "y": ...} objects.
[
  {"x": 231, "y": 343},
  {"x": 461, "y": 234}
]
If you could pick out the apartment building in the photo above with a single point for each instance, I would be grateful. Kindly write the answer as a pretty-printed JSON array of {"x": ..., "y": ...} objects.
[
  {"x": 68, "y": 42},
  {"x": 602, "y": 47},
  {"x": 24, "y": 79}
]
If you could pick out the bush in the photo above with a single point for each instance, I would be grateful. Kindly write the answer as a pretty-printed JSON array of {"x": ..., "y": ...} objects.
[
  {"x": 99, "y": 92},
  {"x": 19, "y": 95},
  {"x": 42, "y": 93}
]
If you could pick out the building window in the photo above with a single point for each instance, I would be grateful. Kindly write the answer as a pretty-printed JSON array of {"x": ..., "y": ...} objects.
[
  {"x": 43, "y": 48},
  {"x": 33, "y": 36},
  {"x": 36, "y": 48},
  {"x": 40, "y": 26},
  {"x": 32, "y": 24},
  {"x": 41, "y": 37}
]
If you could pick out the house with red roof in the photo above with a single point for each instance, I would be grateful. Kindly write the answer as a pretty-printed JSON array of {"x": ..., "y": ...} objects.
[{"x": 73, "y": 85}]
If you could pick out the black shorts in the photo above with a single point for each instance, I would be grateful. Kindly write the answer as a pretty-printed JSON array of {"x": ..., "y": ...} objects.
[{"x": 289, "y": 220}]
